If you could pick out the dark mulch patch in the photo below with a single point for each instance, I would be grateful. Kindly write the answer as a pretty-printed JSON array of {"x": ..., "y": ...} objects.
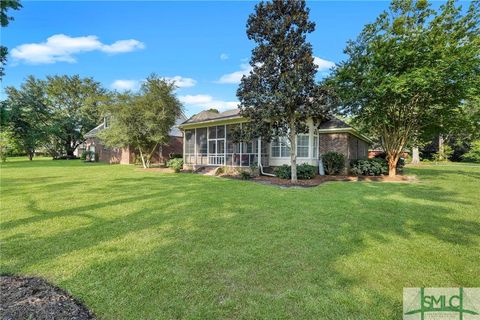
[
  {"x": 321, "y": 179},
  {"x": 34, "y": 298}
]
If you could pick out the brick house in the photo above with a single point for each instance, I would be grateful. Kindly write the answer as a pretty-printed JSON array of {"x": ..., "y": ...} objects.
[
  {"x": 208, "y": 142},
  {"x": 128, "y": 155}
]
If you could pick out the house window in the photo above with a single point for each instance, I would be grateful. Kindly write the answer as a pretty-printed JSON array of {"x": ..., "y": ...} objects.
[
  {"x": 302, "y": 146},
  {"x": 280, "y": 147},
  {"x": 189, "y": 141},
  {"x": 106, "y": 121}
]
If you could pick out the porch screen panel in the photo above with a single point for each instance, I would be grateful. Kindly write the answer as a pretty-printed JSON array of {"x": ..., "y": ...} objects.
[
  {"x": 190, "y": 146},
  {"x": 202, "y": 146}
]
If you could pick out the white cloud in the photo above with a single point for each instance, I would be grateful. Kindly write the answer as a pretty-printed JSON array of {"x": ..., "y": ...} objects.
[
  {"x": 60, "y": 47},
  {"x": 235, "y": 77},
  {"x": 182, "y": 82},
  {"x": 323, "y": 65},
  {"x": 223, "y": 56},
  {"x": 205, "y": 101},
  {"x": 124, "y": 85}
]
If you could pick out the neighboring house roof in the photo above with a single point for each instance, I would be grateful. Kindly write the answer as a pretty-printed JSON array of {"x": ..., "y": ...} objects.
[
  {"x": 174, "y": 132},
  {"x": 93, "y": 133},
  {"x": 334, "y": 123}
]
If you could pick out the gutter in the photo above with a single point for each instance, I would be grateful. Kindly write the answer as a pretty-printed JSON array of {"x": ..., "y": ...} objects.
[{"x": 259, "y": 150}]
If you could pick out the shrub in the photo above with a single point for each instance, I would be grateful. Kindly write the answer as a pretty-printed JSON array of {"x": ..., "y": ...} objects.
[
  {"x": 369, "y": 167},
  {"x": 245, "y": 175},
  {"x": 176, "y": 164},
  {"x": 333, "y": 162},
  {"x": 283, "y": 172},
  {"x": 175, "y": 156},
  {"x": 84, "y": 155},
  {"x": 304, "y": 171},
  {"x": 474, "y": 154}
]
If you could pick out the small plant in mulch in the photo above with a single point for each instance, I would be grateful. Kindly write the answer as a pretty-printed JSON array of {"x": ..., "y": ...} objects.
[{"x": 35, "y": 298}]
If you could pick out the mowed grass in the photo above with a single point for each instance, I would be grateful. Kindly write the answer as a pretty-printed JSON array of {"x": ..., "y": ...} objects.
[{"x": 146, "y": 245}]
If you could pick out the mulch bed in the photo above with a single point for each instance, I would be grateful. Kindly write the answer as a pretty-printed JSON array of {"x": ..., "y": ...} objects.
[
  {"x": 322, "y": 179},
  {"x": 34, "y": 298}
]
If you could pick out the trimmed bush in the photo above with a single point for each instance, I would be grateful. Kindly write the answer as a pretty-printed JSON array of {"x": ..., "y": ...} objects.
[
  {"x": 369, "y": 167},
  {"x": 175, "y": 156},
  {"x": 283, "y": 172},
  {"x": 333, "y": 162},
  {"x": 176, "y": 164},
  {"x": 304, "y": 171}
]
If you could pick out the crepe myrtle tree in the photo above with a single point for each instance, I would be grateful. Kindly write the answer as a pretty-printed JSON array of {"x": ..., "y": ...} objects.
[
  {"x": 410, "y": 70},
  {"x": 280, "y": 92},
  {"x": 143, "y": 120}
]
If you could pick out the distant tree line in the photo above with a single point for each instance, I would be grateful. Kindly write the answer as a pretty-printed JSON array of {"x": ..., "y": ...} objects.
[{"x": 54, "y": 114}]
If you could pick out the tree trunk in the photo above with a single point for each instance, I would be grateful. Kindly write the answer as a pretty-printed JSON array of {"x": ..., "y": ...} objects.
[
  {"x": 30, "y": 155},
  {"x": 143, "y": 158},
  {"x": 415, "y": 156},
  {"x": 392, "y": 166},
  {"x": 441, "y": 148},
  {"x": 293, "y": 151}
]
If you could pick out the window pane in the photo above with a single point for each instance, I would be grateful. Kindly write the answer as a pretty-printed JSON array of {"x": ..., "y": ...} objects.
[
  {"x": 212, "y": 133},
  {"x": 220, "y": 132},
  {"x": 285, "y": 152},
  {"x": 275, "y": 151},
  {"x": 211, "y": 147},
  {"x": 315, "y": 147},
  {"x": 221, "y": 146}
]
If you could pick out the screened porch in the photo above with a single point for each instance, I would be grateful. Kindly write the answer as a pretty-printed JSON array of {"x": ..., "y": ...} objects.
[{"x": 214, "y": 146}]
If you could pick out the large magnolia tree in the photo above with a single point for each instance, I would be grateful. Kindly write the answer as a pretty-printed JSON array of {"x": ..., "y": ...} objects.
[
  {"x": 280, "y": 93},
  {"x": 143, "y": 120},
  {"x": 409, "y": 70}
]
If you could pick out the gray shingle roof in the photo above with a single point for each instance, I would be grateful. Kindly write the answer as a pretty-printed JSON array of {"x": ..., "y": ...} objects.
[{"x": 210, "y": 115}]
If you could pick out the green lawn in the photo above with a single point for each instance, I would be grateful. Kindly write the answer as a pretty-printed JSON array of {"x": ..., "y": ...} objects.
[{"x": 147, "y": 245}]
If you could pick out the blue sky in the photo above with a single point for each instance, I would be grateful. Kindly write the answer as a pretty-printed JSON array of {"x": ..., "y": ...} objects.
[{"x": 200, "y": 44}]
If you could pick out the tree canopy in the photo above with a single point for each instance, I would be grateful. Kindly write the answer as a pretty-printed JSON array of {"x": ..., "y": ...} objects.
[
  {"x": 280, "y": 93},
  {"x": 5, "y": 19},
  {"x": 143, "y": 120},
  {"x": 411, "y": 69}
]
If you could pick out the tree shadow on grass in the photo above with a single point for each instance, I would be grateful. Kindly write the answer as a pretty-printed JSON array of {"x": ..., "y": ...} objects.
[{"x": 201, "y": 247}]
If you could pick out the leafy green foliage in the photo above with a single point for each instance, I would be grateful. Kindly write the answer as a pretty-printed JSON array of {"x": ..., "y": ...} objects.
[
  {"x": 27, "y": 115},
  {"x": 474, "y": 154},
  {"x": 412, "y": 69},
  {"x": 176, "y": 164},
  {"x": 304, "y": 171},
  {"x": 6, "y": 5},
  {"x": 74, "y": 105},
  {"x": 333, "y": 162},
  {"x": 143, "y": 120},
  {"x": 369, "y": 167},
  {"x": 280, "y": 93}
]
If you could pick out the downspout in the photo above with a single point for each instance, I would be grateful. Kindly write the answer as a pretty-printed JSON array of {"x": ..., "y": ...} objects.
[{"x": 260, "y": 159}]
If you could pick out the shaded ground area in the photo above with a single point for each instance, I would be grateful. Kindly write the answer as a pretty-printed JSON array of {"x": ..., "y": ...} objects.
[
  {"x": 34, "y": 298},
  {"x": 321, "y": 179}
]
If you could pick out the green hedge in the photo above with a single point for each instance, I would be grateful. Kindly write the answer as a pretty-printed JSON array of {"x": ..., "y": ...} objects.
[
  {"x": 369, "y": 167},
  {"x": 304, "y": 171}
]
